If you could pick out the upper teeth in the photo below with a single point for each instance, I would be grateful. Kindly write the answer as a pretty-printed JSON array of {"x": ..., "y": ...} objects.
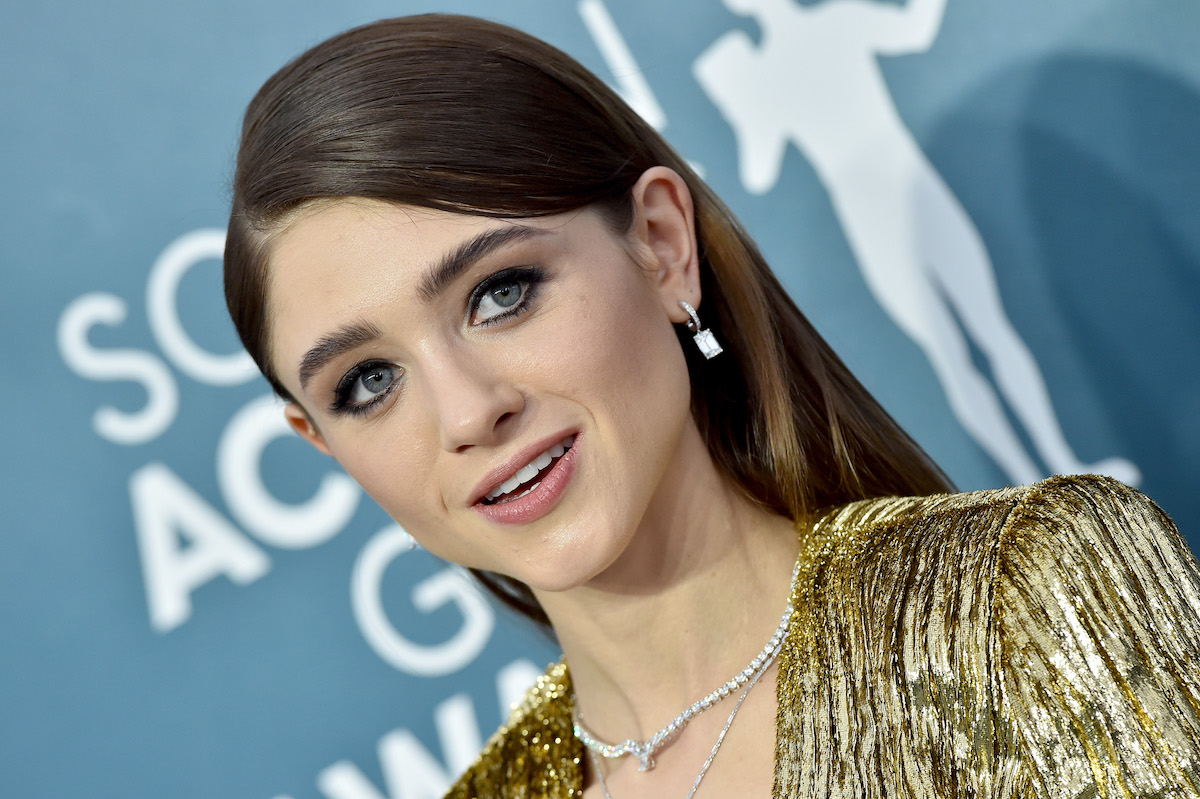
[{"x": 531, "y": 469}]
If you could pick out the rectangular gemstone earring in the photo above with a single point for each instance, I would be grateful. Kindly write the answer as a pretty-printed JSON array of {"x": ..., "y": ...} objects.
[{"x": 704, "y": 339}]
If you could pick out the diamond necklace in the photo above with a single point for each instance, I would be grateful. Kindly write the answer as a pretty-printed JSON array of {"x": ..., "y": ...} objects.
[
  {"x": 716, "y": 747},
  {"x": 645, "y": 751}
]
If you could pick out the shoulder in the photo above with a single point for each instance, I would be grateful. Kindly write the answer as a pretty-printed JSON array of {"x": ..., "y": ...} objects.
[
  {"x": 882, "y": 545},
  {"x": 903, "y": 570},
  {"x": 1023, "y": 562},
  {"x": 534, "y": 753},
  {"x": 1054, "y": 627},
  {"x": 1097, "y": 631},
  {"x": 1033, "y": 526},
  {"x": 1092, "y": 516},
  {"x": 1105, "y": 545},
  {"x": 891, "y": 642}
]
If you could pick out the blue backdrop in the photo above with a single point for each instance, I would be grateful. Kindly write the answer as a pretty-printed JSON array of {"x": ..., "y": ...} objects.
[{"x": 976, "y": 202}]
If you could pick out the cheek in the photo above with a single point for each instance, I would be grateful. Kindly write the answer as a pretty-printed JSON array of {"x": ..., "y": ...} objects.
[
  {"x": 394, "y": 473},
  {"x": 628, "y": 357},
  {"x": 400, "y": 482}
]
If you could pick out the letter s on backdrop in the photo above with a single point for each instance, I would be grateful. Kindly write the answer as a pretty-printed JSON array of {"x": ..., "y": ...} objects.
[{"x": 138, "y": 366}]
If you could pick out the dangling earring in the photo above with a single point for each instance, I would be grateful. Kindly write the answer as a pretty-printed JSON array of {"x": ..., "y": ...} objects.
[{"x": 704, "y": 339}]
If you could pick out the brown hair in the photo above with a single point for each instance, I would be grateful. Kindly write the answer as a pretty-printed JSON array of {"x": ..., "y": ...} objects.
[{"x": 461, "y": 114}]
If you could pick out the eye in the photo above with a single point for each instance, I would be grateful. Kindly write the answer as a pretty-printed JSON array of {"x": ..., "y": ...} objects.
[
  {"x": 498, "y": 300},
  {"x": 504, "y": 294},
  {"x": 365, "y": 385}
]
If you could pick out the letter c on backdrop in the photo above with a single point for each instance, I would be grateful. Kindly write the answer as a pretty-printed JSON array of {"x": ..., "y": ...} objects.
[{"x": 239, "y": 473}]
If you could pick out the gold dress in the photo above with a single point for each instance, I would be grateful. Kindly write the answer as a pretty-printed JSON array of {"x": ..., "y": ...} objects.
[{"x": 1035, "y": 641}]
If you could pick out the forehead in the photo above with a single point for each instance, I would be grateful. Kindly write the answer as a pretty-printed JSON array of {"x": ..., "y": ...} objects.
[{"x": 349, "y": 240}]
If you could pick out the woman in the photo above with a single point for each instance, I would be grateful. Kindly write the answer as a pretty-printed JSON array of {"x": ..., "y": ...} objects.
[{"x": 478, "y": 279}]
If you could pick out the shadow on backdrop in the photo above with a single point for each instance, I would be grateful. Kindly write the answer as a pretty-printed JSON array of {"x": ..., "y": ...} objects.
[{"x": 1103, "y": 166}]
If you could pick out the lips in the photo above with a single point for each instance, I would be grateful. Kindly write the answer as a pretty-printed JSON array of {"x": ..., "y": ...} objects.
[
  {"x": 530, "y": 484},
  {"x": 527, "y": 478}
]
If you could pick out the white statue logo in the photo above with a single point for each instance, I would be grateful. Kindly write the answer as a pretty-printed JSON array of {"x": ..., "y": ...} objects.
[{"x": 814, "y": 81}]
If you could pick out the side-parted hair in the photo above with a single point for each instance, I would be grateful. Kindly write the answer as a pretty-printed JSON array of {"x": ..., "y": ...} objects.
[{"x": 464, "y": 115}]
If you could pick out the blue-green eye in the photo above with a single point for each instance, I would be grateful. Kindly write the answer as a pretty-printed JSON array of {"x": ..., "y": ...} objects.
[
  {"x": 364, "y": 385},
  {"x": 504, "y": 294},
  {"x": 499, "y": 299},
  {"x": 502, "y": 297}
]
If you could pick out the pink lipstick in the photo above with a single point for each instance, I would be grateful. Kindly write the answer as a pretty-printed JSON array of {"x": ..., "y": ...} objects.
[{"x": 534, "y": 488}]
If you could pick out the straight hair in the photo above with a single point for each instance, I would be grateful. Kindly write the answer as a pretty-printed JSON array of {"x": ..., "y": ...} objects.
[{"x": 464, "y": 115}]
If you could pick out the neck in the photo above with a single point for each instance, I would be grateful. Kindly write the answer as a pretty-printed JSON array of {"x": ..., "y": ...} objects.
[{"x": 694, "y": 596}]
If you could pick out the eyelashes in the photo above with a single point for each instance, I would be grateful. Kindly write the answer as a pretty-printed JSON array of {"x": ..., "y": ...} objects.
[
  {"x": 364, "y": 386},
  {"x": 504, "y": 295},
  {"x": 499, "y": 297}
]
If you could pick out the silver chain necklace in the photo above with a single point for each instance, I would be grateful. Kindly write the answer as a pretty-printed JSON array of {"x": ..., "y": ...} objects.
[
  {"x": 716, "y": 747},
  {"x": 645, "y": 751}
]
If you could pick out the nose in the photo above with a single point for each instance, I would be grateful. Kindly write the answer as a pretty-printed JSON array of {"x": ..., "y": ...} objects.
[{"x": 471, "y": 400}]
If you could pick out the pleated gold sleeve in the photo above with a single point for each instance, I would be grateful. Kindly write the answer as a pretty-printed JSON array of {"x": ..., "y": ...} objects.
[{"x": 1027, "y": 642}]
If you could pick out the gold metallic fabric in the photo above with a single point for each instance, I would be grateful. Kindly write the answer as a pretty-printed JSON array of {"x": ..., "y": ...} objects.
[{"x": 1034, "y": 641}]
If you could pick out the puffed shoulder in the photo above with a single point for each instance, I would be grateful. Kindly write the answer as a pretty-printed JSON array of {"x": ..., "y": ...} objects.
[
  {"x": 535, "y": 754},
  {"x": 1034, "y": 641},
  {"x": 1097, "y": 627}
]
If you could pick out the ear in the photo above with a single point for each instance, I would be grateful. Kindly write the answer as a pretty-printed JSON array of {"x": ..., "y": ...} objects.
[
  {"x": 302, "y": 423},
  {"x": 664, "y": 227}
]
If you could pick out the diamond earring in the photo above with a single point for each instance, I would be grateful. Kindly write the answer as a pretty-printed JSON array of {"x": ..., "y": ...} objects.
[{"x": 704, "y": 339}]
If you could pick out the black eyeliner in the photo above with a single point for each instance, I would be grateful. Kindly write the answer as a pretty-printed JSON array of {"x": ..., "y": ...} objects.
[
  {"x": 531, "y": 276},
  {"x": 341, "y": 393}
]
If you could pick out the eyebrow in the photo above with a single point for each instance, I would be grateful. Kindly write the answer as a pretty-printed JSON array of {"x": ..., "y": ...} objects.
[
  {"x": 466, "y": 254},
  {"x": 434, "y": 283},
  {"x": 333, "y": 345}
]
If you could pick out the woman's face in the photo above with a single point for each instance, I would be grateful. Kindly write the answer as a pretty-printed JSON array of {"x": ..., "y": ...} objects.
[{"x": 511, "y": 392}]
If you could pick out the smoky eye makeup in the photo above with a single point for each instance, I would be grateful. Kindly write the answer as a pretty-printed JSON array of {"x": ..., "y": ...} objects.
[
  {"x": 364, "y": 386},
  {"x": 504, "y": 295}
]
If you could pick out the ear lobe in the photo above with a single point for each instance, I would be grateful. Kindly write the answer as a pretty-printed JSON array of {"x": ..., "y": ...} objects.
[
  {"x": 299, "y": 420},
  {"x": 665, "y": 226}
]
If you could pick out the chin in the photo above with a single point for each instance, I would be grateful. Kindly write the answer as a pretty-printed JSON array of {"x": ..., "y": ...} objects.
[
  {"x": 559, "y": 576},
  {"x": 554, "y": 584},
  {"x": 576, "y": 563}
]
